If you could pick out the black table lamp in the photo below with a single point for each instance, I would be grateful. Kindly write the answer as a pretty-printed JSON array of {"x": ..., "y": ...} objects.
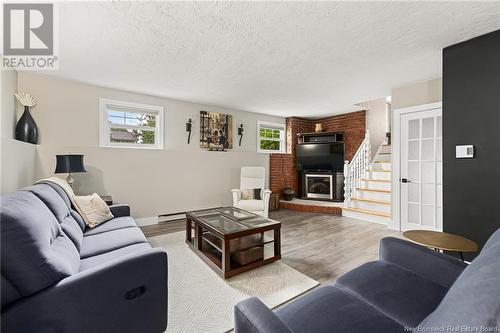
[{"x": 68, "y": 164}]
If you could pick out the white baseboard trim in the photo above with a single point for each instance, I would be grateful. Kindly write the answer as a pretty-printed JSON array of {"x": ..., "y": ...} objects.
[{"x": 146, "y": 220}]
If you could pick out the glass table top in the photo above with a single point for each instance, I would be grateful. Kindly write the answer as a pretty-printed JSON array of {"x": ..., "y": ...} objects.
[{"x": 228, "y": 220}]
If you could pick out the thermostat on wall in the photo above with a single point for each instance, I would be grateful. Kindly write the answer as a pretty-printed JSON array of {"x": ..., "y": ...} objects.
[{"x": 465, "y": 151}]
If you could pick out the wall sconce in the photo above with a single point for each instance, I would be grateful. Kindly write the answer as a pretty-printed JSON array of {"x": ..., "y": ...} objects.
[
  {"x": 240, "y": 133},
  {"x": 188, "y": 128}
]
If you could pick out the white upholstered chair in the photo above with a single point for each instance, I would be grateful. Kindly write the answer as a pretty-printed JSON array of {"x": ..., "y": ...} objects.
[{"x": 252, "y": 178}]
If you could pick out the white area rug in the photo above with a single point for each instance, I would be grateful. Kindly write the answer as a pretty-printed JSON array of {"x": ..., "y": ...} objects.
[{"x": 201, "y": 301}]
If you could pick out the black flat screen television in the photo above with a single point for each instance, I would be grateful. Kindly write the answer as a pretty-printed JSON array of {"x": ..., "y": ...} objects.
[{"x": 320, "y": 156}]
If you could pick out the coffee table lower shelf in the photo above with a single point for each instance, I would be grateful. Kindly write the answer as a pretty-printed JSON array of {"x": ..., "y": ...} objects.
[{"x": 215, "y": 249}]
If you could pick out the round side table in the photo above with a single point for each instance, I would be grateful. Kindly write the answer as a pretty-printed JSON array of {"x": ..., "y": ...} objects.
[{"x": 441, "y": 241}]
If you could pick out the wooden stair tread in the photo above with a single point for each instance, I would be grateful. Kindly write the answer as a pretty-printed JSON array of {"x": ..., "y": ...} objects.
[
  {"x": 380, "y": 170},
  {"x": 381, "y": 162},
  {"x": 382, "y": 202},
  {"x": 368, "y": 211},
  {"x": 372, "y": 190},
  {"x": 381, "y": 153},
  {"x": 377, "y": 180}
]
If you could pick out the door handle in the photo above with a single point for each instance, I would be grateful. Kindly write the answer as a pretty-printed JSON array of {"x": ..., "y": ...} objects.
[{"x": 404, "y": 180}]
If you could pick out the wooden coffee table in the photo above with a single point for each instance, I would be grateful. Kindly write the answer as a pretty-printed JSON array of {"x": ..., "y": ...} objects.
[
  {"x": 231, "y": 240},
  {"x": 441, "y": 241}
]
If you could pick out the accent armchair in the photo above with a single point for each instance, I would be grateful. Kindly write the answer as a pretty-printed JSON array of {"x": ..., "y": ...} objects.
[{"x": 252, "y": 178}]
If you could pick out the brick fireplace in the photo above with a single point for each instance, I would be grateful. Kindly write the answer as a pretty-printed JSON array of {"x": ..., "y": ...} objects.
[{"x": 283, "y": 170}]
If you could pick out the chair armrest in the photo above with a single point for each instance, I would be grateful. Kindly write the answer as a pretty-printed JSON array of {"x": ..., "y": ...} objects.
[
  {"x": 120, "y": 210},
  {"x": 128, "y": 294},
  {"x": 236, "y": 196},
  {"x": 253, "y": 316},
  {"x": 435, "y": 266},
  {"x": 266, "y": 194}
]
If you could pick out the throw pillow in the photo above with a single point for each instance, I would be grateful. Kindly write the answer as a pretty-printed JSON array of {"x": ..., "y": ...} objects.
[
  {"x": 95, "y": 210},
  {"x": 251, "y": 194}
]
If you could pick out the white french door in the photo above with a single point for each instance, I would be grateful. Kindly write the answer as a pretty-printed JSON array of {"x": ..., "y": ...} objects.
[{"x": 421, "y": 182}]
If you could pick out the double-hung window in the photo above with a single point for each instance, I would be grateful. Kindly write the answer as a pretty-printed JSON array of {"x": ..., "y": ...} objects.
[
  {"x": 270, "y": 137},
  {"x": 131, "y": 125}
]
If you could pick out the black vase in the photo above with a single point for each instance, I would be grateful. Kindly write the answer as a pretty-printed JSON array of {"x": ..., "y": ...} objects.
[
  {"x": 288, "y": 193},
  {"x": 26, "y": 129}
]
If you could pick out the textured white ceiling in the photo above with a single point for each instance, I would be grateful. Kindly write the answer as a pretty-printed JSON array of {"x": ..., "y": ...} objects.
[{"x": 282, "y": 58}]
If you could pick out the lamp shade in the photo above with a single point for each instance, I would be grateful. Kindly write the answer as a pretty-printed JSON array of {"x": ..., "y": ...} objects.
[{"x": 69, "y": 163}]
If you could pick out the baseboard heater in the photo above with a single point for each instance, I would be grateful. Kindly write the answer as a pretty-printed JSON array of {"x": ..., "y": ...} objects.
[{"x": 171, "y": 217}]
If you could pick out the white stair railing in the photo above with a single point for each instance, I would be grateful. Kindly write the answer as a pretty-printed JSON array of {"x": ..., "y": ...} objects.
[{"x": 355, "y": 170}]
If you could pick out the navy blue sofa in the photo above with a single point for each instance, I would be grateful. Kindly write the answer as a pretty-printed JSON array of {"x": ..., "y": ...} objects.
[
  {"x": 59, "y": 276},
  {"x": 409, "y": 288}
]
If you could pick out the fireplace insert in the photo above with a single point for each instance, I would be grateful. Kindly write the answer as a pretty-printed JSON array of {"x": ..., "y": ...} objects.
[{"x": 322, "y": 185}]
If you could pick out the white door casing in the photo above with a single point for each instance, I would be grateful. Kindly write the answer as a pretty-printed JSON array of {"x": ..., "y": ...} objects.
[{"x": 417, "y": 158}]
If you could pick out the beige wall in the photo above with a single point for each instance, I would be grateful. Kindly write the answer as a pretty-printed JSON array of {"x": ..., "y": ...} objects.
[
  {"x": 417, "y": 94},
  {"x": 179, "y": 178},
  {"x": 376, "y": 122},
  {"x": 17, "y": 165}
]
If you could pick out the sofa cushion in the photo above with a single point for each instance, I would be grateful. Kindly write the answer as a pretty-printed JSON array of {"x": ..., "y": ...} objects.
[
  {"x": 99, "y": 259},
  {"x": 402, "y": 295},
  {"x": 494, "y": 240},
  {"x": 329, "y": 308},
  {"x": 35, "y": 251},
  {"x": 474, "y": 299},
  {"x": 58, "y": 202},
  {"x": 251, "y": 205},
  {"x": 108, "y": 241},
  {"x": 113, "y": 224}
]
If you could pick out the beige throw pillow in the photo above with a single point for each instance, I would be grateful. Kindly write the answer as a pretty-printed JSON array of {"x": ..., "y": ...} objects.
[{"x": 94, "y": 210}]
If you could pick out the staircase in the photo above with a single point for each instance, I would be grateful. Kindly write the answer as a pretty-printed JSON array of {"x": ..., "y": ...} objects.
[{"x": 368, "y": 185}]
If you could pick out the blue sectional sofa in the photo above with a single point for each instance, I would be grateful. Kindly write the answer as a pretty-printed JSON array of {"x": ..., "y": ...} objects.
[
  {"x": 409, "y": 288},
  {"x": 59, "y": 276}
]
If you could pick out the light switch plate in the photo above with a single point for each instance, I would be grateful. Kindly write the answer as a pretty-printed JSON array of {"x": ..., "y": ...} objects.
[{"x": 464, "y": 151}]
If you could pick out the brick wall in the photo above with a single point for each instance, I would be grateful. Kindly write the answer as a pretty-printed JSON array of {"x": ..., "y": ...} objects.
[
  {"x": 352, "y": 124},
  {"x": 283, "y": 166}
]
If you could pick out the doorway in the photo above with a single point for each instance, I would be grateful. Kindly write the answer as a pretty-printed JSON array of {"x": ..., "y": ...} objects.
[{"x": 419, "y": 176}]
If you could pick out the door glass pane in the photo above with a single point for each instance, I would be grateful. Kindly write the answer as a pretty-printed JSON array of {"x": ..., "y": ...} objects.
[
  {"x": 428, "y": 216},
  {"x": 428, "y": 150},
  {"x": 428, "y": 127},
  {"x": 439, "y": 149},
  {"x": 439, "y": 172},
  {"x": 414, "y": 213},
  {"x": 414, "y": 171},
  {"x": 413, "y": 150},
  {"x": 428, "y": 172},
  {"x": 414, "y": 129},
  {"x": 413, "y": 192},
  {"x": 439, "y": 195},
  {"x": 439, "y": 129},
  {"x": 428, "y": 193}
]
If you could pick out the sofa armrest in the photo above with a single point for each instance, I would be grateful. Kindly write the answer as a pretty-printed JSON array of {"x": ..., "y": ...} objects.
[
  {"x": 128, "y": 294},
  {"x": 253, "y": 316},
  {"x": 435, "y": 266},
  {"x": 120, "y": 210},
  {"x": 236, "y": 196}
]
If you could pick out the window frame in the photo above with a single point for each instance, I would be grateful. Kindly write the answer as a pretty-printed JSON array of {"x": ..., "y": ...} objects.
[
  {"x": 281, "y": 140},
  {"x": 105, "y": 129}
]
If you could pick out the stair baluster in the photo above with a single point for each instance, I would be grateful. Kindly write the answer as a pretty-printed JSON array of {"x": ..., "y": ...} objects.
[{"x": 355, "y": 170}]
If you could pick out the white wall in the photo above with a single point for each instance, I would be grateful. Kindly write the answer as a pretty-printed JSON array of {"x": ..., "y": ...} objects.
[
  {"x": 181, "y": 177},
  {"x": 17, "y": 158}
]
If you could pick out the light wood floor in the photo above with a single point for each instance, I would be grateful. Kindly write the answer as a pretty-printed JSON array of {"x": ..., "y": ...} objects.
[{"x": 318, "y": 245}]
